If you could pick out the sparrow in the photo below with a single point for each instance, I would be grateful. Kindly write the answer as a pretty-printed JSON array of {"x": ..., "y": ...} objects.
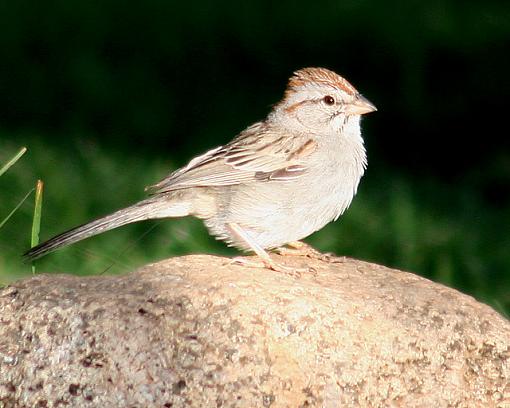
[{"x": 278, "y": 181}]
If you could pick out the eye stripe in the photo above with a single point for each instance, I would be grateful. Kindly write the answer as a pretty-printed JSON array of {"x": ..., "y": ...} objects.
[{"x": 295, "y": 106}]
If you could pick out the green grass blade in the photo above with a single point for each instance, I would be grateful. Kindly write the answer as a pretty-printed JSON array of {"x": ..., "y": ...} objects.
[
  {"x": 36, "y": 223},
  {"x": 15, "y": 208},
  {"x": 20, "y": 153}
]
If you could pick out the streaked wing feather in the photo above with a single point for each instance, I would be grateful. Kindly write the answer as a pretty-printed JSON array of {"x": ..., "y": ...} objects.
[{"x": 256, "y": 154}]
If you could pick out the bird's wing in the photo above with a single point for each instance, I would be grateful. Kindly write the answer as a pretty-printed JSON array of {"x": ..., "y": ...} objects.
[{"x": 258, "y": 153}]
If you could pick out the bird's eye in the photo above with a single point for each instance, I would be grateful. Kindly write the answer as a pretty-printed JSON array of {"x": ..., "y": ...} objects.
[{"x": 329, "y": 100}]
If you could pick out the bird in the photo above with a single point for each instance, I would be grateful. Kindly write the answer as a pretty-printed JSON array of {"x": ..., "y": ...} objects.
[{"x": 274, "y": 184}]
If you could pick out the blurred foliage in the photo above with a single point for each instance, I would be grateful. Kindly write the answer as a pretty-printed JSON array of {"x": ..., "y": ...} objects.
[{"x": 110, "y": 95}]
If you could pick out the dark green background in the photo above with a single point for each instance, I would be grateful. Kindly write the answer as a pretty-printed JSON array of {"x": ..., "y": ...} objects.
[{"x": 90, "y": 86}]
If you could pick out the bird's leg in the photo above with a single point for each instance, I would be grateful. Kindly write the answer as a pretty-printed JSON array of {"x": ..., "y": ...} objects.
[{"x": 267, "y": 262}]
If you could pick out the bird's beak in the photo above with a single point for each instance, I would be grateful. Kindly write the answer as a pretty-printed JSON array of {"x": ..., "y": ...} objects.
[{"x": 360, "y": 106}]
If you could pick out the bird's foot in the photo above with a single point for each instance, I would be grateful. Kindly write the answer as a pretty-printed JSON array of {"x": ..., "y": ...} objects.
[
  {"x": 272, "y": 265},
  {"x": 298, "y": 248}
]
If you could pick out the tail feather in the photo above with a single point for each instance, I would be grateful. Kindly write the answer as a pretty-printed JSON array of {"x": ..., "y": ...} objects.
[{"x": 144, "y": 210}]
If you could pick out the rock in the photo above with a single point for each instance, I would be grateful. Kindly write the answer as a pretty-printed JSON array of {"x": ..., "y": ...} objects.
[{"x": 197, "y": 331}]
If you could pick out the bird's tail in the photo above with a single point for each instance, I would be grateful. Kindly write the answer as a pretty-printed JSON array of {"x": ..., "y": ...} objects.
[{"x": 152, "y": 208}]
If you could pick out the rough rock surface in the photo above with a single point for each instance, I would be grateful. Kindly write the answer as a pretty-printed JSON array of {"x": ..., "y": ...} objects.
[{"x": 198, "y": 331}]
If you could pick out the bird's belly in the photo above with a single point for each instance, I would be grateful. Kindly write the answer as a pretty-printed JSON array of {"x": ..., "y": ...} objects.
[{"x": 275, "y": 213}]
